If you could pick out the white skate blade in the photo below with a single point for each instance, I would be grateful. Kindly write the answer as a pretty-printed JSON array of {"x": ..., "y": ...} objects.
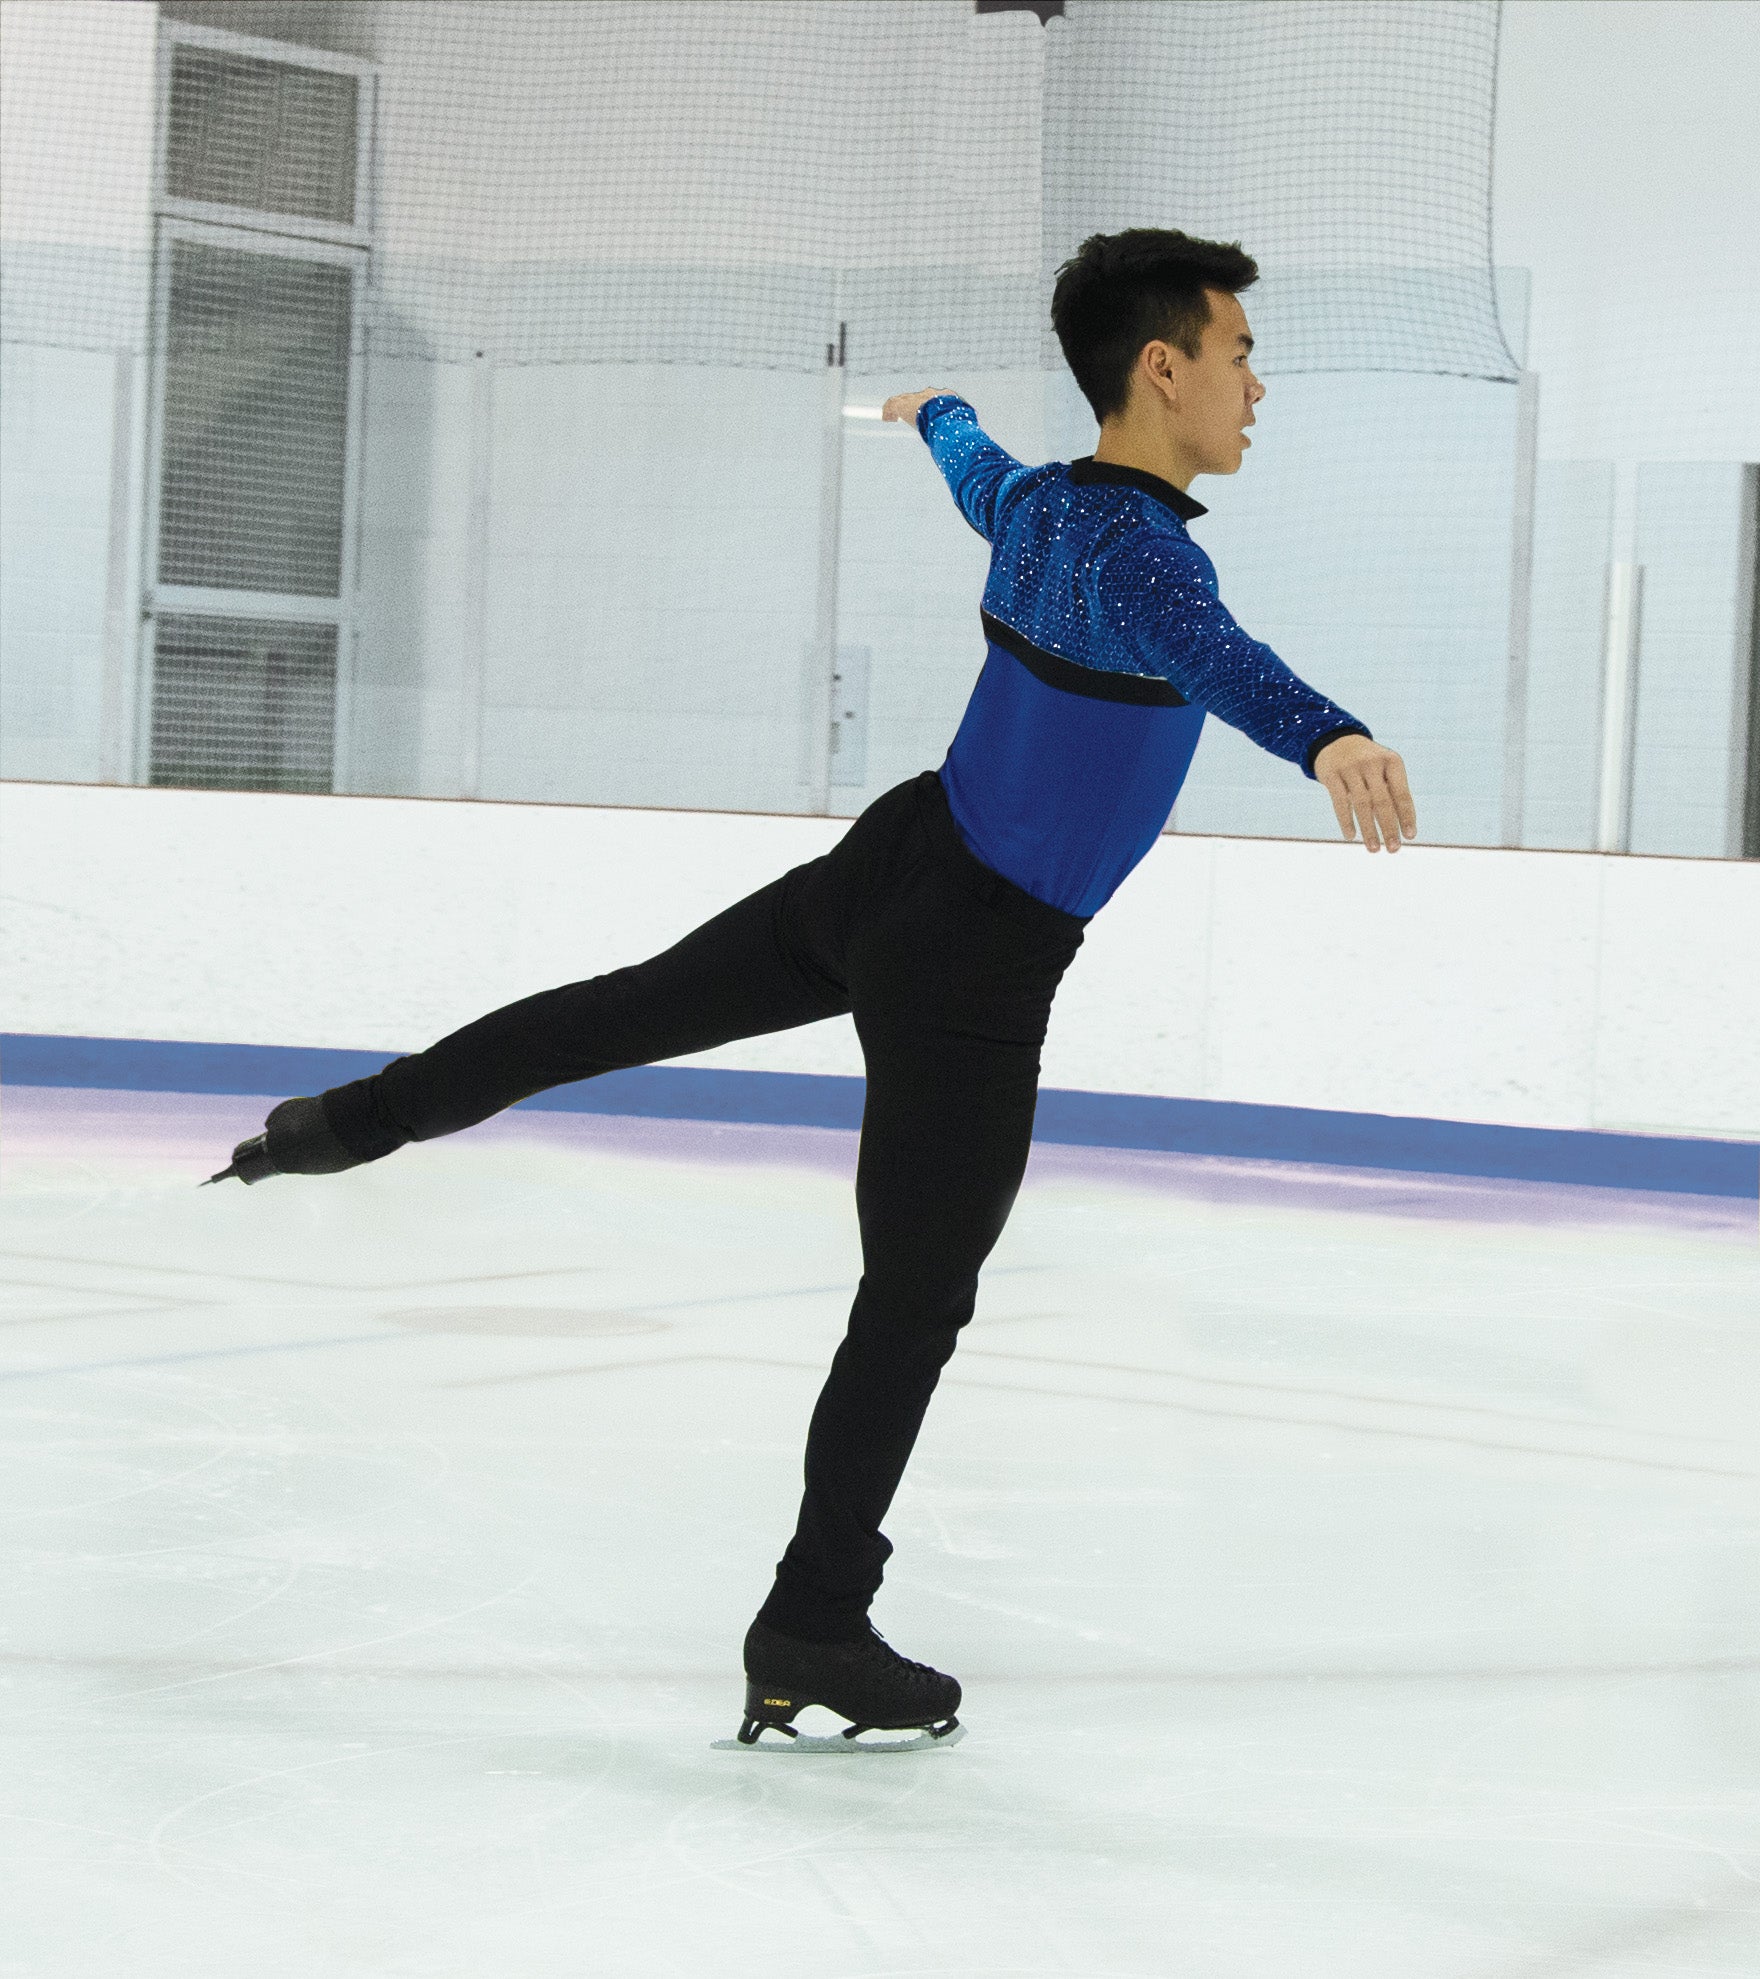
[{"x": 869, "y": 1743}]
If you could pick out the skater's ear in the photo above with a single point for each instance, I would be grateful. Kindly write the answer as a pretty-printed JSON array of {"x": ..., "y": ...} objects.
[{"x": 1156, "y": 374}]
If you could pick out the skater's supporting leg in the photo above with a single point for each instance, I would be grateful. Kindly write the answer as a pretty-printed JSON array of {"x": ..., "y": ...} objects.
[
  {"x": 944, "y": 1143},
  {"x": 953, "y": 984}
]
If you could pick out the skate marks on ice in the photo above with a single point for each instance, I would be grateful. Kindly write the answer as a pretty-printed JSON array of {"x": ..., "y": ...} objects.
[
  {"x": 408, "y": 1655},
  {"x": 527, "y": 1322}
]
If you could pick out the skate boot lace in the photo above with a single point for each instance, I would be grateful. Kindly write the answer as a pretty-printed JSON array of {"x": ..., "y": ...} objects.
[{"x": 923, "y": 1676}]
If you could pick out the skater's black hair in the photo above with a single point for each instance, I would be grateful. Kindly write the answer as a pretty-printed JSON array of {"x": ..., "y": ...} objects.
[{"x": 1122, "y": 291}]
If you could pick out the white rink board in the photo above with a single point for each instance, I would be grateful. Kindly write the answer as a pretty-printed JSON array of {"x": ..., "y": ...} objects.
[{"x": 1527, "y": 988}]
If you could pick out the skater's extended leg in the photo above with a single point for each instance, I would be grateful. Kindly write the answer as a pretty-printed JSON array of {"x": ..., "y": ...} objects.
[
  {"x": 768, "y": 963},
  {"x": 754, "y": 968}
]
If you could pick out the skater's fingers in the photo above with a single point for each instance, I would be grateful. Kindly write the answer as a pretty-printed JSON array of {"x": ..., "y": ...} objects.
[
  {"x": 1402, "y": 794},
  {"x": 1341, "y": 805},
  {"x": 1367, "y": 784},
  {"x": 1363, "y": 806},
  {"x": 1386, "y": 812}
]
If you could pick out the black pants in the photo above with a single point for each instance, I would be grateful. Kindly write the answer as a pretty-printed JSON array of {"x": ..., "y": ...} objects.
[{"x": 949, "y": 971}]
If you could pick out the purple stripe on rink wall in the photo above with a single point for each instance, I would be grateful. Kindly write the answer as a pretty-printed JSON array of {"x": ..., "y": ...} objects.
[{"x": 797, "y": 1099}]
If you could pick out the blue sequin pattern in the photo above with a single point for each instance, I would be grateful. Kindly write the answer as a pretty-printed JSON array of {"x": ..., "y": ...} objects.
[{"x": 1105, "y": 575}]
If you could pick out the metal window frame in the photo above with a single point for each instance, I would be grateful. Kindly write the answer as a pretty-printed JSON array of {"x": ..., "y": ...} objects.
[
  {"x": 358, "y": 233},
  {"x": 246, "y": 230}
]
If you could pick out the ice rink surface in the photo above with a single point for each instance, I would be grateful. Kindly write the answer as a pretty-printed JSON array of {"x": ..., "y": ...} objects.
[{"x": 1351, "y": 1576}]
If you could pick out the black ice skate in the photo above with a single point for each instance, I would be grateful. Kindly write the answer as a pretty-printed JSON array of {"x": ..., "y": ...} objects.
[
  {"x": 296, "y": 1140},
  {"x": 867, "y": 1682}
]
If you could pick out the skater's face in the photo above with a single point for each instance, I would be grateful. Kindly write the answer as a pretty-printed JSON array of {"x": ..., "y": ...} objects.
[{"x": 1204, "y": 403}]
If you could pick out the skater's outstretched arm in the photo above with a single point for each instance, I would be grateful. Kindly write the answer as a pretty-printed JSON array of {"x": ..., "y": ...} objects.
[
  {"x": 980, "y": 474},
  {"x": 1166, "y": 591},
  {"x": 1162, "y": 594}
]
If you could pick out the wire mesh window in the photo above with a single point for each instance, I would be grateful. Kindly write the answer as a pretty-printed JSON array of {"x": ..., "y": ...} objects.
[
  {"x": 270, "y": 136},
  {"x": 243, "y": 704},
  {"x": 256, "y": 421}
]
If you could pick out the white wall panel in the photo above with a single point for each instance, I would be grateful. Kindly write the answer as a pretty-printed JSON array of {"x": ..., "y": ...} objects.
[
  {"x": 57, "y": 423},
  {"x": 76, "y": 170},
  {"x": 1136, "y": 1004},
  {"x": 1626, "y": 180},
  {"x": 1443, "y": 982},
  {"x": 1573, "y": 544},
  {"x": 1695, "y": 541},
  {"x": 75, "y": 188},
  {"x": 1678, "y": 1004}
]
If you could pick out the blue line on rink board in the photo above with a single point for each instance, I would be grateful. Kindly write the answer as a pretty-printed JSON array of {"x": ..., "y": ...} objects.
[{"x": 1678, "y": 1165}]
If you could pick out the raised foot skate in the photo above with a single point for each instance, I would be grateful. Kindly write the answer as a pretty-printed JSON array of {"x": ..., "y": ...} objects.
[
  {"x": 867, "y": 1682},
  {"x": 296, "y": 1140}
]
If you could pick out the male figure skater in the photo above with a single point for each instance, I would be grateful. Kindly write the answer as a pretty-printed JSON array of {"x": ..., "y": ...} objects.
[{"x": 944, "y": 918}]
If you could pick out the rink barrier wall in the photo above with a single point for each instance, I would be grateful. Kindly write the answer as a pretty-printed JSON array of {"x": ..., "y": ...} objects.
[
  {"x": 1665, "y": 1163},
  {"x": 1267, "y": 984}
]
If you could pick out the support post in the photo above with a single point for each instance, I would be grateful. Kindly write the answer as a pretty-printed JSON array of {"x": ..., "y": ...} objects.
[
  {"x": 1619, "y": 705},
  {"x": 1746, "y": 807},
  {"x": 822, "y": 662},
  {"x": 473, "y": 659},
  {"x": 1521, "y": 594},
  {"x": 122, "y": 591}
]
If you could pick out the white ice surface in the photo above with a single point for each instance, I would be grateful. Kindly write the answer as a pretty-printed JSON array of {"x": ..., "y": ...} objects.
[{"x": 1351, "y": 1577}]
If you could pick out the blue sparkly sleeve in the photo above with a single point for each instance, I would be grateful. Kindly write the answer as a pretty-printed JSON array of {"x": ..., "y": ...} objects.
[
  {"x": 1161, "y": 595},
  {"x": 979, "y": 473}
]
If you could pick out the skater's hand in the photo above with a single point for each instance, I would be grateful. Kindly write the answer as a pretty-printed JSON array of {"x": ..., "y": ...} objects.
[
  {"x": 906, "y": 405},
  {"x": 1368, "y": 788}
]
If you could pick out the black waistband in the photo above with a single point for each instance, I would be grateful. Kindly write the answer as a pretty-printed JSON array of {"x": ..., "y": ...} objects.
[{"x": 984, "y": 882}]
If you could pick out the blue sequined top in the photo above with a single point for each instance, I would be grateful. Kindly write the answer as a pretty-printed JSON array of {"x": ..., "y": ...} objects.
[{"x": 1106, "y": 645}]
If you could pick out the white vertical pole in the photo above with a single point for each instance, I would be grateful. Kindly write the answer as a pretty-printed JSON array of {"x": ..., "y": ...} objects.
[
  {"x": 1521, "y": 592},
  {"x": 122, "y": 613},
  {"x": 343, "y": 751},
  {"x": 1619, "y": 705},
  {"x": 472, "y": 658},
  {"x": 1744, "y": 811},
  {"x": 823, "y": 668},
  {"x": 153, "y": 474}
]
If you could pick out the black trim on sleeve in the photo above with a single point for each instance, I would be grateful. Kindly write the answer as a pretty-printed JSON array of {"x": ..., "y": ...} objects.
[
  {"x": 1331, "y": 735},
  {"x": 1143, "y": 690}
]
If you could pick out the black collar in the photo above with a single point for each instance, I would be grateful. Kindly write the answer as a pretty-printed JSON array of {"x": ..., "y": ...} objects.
[{"x": 1087, "y": 470}]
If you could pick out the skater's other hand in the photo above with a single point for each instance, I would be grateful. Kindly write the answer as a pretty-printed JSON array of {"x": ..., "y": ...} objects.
[
  {"x": 906, "y": 405},
  {"x": 1368, "y": 788}
]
